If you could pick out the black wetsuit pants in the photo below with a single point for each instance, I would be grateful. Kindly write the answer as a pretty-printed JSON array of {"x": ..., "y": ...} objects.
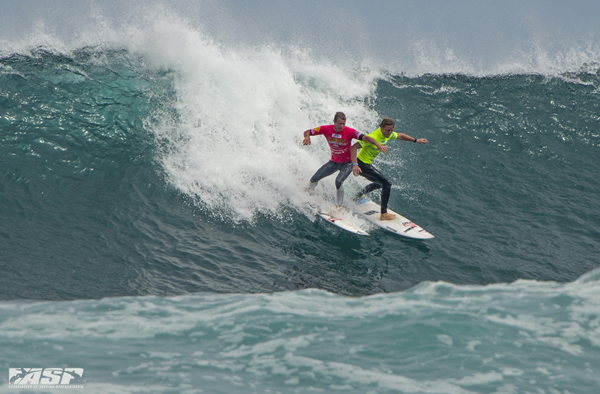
[
  {"x": 329, "y": 168},
  {"x": 379, "y": 182}
]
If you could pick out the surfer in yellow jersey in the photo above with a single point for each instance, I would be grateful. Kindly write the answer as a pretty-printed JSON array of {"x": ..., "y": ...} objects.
[{"x": 362, "y": 163}]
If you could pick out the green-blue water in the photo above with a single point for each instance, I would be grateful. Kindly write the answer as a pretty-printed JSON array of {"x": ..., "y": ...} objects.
[{"x": 145, "y": 201}]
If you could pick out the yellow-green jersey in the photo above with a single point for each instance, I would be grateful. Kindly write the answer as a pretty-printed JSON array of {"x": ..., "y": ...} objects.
[{"x": 369, "y": 152}]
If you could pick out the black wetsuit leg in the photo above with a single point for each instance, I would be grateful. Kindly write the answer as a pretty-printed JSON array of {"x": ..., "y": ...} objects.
[
  {"x": 326, "y": 169},
  {"x": 329, "y": 168},
  {"x": 345, "y": 171},
  {"x": 379, "y": 180}
]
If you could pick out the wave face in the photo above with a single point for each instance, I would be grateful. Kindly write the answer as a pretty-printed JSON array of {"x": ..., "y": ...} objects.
[
  {"x": 125, "y": 178},
  {"x": 153, "y": 204}
]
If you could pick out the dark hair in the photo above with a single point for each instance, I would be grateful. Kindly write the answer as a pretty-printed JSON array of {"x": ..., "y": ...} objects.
[
  {"x": 386, "y": 122},
  {"x": 339, "y": 115}
]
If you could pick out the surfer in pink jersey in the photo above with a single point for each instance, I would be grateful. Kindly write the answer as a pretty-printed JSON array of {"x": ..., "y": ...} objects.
[{"x": 339, "y": 137}]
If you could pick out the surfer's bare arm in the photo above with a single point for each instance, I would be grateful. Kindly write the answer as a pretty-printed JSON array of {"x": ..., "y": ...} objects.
[
  {"x": 406, "y": 137},
  {"x": 306, "y": 138},
  {"x": 372, "y": 140},
  {"x": 353, "y": 153}
]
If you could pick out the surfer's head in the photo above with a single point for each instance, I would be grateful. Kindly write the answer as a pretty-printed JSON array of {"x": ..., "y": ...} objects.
[
  {"x": 387, "y": 126},
  {"x": 339, "y": 121}
]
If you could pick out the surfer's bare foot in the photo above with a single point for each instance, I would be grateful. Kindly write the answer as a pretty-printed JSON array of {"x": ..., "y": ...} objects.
[{"x": 387, "y": 216}]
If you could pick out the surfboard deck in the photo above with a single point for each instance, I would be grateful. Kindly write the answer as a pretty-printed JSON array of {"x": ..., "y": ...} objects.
[
  {"x": 339, "y": 222},
  {"x": 400, "y": 225}
]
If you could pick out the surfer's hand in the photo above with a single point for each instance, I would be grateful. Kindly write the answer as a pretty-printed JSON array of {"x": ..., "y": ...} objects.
[
  {"x": 306, "y": 141},
  {"x": 422, "y": 141},
  {"x": 356, "y": 170},
  {"x": 382, "y": 148}
]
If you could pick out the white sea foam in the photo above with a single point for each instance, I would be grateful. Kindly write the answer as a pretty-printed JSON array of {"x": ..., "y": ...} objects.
[{"x": 235, "y": 144}]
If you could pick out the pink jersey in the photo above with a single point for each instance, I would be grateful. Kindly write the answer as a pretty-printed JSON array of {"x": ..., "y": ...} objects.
[{"x": 339, "y": 143}]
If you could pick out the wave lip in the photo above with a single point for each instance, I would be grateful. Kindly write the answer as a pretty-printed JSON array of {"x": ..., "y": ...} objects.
[{"x": 410, "y": 38}]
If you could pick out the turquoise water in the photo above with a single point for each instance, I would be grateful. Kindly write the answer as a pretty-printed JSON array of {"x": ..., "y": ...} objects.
[{"x": 155, "y": 232}]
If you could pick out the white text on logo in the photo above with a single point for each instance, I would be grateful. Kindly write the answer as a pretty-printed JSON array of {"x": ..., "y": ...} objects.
[{"x": 43, "y": 376}]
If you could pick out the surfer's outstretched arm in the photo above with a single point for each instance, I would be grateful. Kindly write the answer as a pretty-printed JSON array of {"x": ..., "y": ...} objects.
[{"x": 406, "y": 137}]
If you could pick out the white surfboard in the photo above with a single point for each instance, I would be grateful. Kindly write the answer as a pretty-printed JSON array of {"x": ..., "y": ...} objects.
[
  {"x": 400, "y": 225},
  {"x": 341, "y": 223}
]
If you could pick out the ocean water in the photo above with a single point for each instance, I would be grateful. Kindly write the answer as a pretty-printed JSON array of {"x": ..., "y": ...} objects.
[{"x": 155, "y": 231}]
